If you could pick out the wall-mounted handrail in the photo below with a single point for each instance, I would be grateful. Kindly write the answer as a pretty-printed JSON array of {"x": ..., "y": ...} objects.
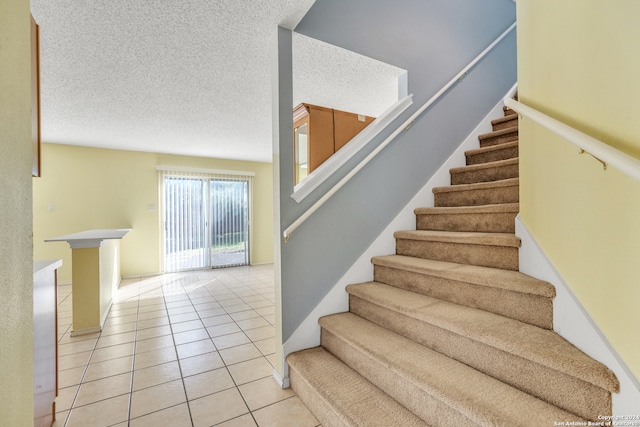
[
  {"x": 405, "y": 126},
  {"x": 598, "y": 149}
]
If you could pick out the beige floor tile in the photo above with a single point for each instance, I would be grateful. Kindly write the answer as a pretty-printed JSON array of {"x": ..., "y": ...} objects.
[
  {"x": 260, "y": 393},
  {"x": 73, "y": 360},
  {"x": 176, "y": 416},
  {"x": 287, "y": 413},
  {"x": 117, "y": 311},
  {"x": 251, "y": 370},
  {"x": 155, "y": 314},
  {"x": 151, "y": 305},
  {"x": 190, "y": 336},
  {"x": 70, "y": 377},
  {"x": 121, "y": 319},
  {"x": 217, "y": 408},
  {"x": 209, "y": 382},
  {"x": 253, "y": 323},
  {"x": 102, "y": 389},
  {"x": 154, "y": 375},
  {"x": 151, "y": 358},
  {"x": 217, "y": 320},
  {"x": 154, "y": 343},
  {"x": 108, "y": 368},
  {"x": 65, "y": 398},
  {"x": 110, "y": 340},
  {"x": 153, "y": 399},
  {"x": 100, "y": 414},
  {"x": 67, "y": 338},
  {"x": 195, "y": 348},
  {"x": 173, "y": 311},
  {"x": 243, "y": 421},
  {"x": 113, "y": 352},
  {"x": 261, "y": 333},
  {"x": 118, "y": 329},
  {"x": 152, "y": 323},
  {"x": 271, "y": 318},
  {"x": 186, "y": 317},
  {"x": 76, "y": 347},
  {"x": 266, "y": 310},
  {"x": 212, "y": 312},
  {"x": 260, "y": 304},
  {"x": 240, "y": 353},
  {"x": 203, "y": 306},
  {"x": 201, "y": 363},
  {"x": 158, "y": 331},
  {"x": 237, "y": 307},
  {"x": 186, "y": 326},
  {"x": 244, "y": 315},
  {"x": 226, "y": 329},
  {"x": 272, "y": 359},
  {"x": 61, "y": 419},
  {"x": 267, "y": 346},
  {"x": 231, "y": 340}
]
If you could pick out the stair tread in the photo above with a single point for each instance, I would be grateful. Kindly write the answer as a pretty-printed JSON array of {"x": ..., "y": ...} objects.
[
  {"x": 497, "y": 133},
  {"x": 510, "y": 182},
  {"x": 352, "y": 397},
  {"x": 462, "y": 210},
  {"x": 463, "y": 237},
  {"x": 491, "y": 148},
  {"x": 541, "y": 346},
  {"x": 477, "y": 396},
  {"x": 487, "y": 165},
  {"x": 482, "y": 276},
  {"x": 501, "y": 120}
]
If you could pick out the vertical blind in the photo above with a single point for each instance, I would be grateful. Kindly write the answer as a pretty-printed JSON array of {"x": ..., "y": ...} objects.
[{"x": 206, "y": 217}]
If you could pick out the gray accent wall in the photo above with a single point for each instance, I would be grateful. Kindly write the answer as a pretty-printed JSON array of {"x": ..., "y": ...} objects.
[{"x": 433, "y": 40}]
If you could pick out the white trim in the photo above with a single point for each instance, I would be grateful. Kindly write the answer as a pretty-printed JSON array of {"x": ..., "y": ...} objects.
[
  {"x": 282, "y": 382},
  {"x": 203, "y": 170},
  {"x": 573, "y": 322},
  {"x": 350, "y": 149},
  {"x": 86, "y": 331},
  {"x": 602, "y": 151},
  {"x": 307, "y": 334}
]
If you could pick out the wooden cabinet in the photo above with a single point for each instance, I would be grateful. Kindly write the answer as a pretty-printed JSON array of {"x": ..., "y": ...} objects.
[{"x": 318, "y": 132}]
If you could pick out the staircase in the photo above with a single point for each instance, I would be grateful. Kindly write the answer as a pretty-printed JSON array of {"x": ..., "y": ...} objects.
[{"x": 449, "y": 333}]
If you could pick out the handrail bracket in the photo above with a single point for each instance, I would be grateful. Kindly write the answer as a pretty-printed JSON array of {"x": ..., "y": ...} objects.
[{"x": 604, "y": 164}]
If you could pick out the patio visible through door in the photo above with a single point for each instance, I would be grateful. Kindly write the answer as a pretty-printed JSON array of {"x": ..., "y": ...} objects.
[{"x": 206, "y": 219}]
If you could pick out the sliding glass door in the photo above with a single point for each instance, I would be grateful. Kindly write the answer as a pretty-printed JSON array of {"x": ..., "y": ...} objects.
[{"x": 206, "y": 220}]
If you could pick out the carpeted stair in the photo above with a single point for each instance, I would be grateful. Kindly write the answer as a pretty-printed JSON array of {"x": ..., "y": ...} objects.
[{"x": 449, "y": 333}]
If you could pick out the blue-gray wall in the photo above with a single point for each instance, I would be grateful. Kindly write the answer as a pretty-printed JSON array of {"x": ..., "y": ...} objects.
[{"x": 433, "y": 40}]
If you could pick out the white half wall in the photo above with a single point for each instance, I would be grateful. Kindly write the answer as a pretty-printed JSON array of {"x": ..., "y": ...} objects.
[
  {"x": 571, "y": 321},
  {"x": 307, "y": 335}
]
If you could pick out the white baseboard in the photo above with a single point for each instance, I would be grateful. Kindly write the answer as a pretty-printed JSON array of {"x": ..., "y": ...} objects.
[
  {"x": 282, "y": 382},
  {"x": 307, "y": 334},
  {"x": 571, "y": 321}
]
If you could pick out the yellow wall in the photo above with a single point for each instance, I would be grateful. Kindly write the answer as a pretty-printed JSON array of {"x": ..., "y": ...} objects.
[
  {"x": 579, "y": 62},
  {"x": 16, "y": 267},
  {"x": 99, "y": 188}
]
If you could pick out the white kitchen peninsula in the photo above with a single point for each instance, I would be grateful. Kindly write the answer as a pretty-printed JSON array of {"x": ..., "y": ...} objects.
[{"x": 95, "y": 275}]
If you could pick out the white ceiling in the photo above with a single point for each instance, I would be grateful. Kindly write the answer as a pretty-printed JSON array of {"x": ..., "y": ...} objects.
[{"x": 186, "y": 77}]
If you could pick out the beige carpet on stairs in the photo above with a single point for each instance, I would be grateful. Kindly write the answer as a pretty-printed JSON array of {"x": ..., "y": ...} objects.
[{"x": 449, "y": 333}]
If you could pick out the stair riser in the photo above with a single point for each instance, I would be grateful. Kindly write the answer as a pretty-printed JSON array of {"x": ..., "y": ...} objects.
[
  {"x": 508, "y": 111},
  {"x": 492, "y": 156},
  {"x": 573, "y": 395},
  {"x": 425, "y": 406},
  {"x": 504, "y": 257},
  {"x": 484, "y": 223},
  {"x": 497, "y": 140},
  {"x": 320, "y": 409},
  {"x": 484, "y": 175},
  {"x": 513, "y": 121},
  {"x": 477, "y": 197},
  {"x": 533, "y": 309}
]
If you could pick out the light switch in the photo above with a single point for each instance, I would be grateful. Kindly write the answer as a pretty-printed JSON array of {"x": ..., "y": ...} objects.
[
  {"x": 52, "y": 207},
  {"x": 151, "y": 207}
]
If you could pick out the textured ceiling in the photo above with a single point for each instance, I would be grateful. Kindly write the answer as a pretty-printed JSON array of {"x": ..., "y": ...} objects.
[{"x": 186, "y": 77}]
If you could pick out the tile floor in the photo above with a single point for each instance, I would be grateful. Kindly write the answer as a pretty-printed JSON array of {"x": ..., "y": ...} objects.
[{"x": 182, "y": 349}]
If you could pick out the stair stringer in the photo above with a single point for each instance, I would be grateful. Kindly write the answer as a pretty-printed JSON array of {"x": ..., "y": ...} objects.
[
  {"x": 573, "y": 322},
  {"x": 307, "y": 334}
]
